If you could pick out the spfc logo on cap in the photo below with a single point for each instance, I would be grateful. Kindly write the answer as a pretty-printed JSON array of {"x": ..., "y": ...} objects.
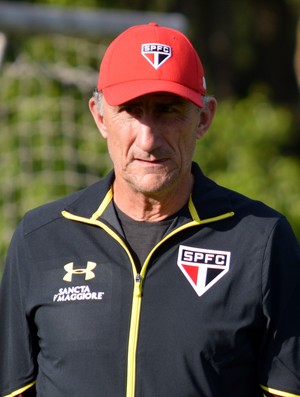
[
  {"x": 203, "y": 268},
  {"x": 156, "y": 54}
]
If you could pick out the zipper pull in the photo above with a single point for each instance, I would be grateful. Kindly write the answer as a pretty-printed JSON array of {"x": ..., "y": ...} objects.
[{"x": 138, "y": 286}]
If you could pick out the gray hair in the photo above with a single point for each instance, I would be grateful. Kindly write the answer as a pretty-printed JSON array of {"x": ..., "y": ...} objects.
[{"x": 98, "y": 96}]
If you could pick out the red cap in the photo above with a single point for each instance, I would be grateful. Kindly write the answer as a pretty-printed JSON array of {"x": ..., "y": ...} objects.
[{"x": 149, "y": 58}]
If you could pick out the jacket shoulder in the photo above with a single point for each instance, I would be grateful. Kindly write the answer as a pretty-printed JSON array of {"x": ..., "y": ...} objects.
[
  {"x": 88, "y": 199},
  {"x": 257, "y": 215}
]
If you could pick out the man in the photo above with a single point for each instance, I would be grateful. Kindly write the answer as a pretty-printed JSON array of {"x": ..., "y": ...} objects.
[{"x": 155, "y": 281}]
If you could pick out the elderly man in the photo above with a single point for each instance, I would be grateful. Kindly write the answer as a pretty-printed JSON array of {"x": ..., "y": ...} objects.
[{"x": 155, "y": 281}]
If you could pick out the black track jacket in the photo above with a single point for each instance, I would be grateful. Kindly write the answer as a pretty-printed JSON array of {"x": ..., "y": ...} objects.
[{"x": 214, "y": 311}]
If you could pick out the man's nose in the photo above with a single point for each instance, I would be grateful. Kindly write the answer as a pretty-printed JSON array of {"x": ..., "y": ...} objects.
[{"x": 148, "y": 137}]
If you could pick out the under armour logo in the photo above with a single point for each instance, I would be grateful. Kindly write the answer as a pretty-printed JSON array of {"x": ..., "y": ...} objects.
[
  {"x": 156, "y": 54},
  {"x": 69, "y": 268}
]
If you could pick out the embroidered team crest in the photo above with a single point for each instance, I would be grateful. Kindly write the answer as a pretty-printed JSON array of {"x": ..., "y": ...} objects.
[
  {"x": 202, "y": 267},
  {"x": 156, "y": 54}
]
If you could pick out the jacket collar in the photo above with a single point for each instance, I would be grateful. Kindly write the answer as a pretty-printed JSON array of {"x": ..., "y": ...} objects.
[{"x": 208, "y": 199}]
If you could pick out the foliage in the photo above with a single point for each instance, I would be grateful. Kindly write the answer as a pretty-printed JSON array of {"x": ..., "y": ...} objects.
[
  {"x": 245, "y": 151},
  {"x": 49, "y": 144}
]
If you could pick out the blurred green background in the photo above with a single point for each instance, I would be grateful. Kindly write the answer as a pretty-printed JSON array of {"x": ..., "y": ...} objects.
[{"x": 49, "y": 143}]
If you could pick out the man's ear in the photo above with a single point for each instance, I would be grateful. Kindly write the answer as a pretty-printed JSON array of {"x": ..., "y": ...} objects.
[
  {"x": 99, "y": 119},
  {"x": 206, "y": 116}
]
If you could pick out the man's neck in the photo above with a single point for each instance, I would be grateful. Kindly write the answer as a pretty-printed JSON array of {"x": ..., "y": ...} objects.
[{"x": 152, "y": 207}]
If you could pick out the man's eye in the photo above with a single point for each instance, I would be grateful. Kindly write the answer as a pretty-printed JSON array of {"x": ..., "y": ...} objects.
[
  {"x": 165, "y": 109},
  {"x": 168, "y": 108},
  {"x": 130, "y": 109}
]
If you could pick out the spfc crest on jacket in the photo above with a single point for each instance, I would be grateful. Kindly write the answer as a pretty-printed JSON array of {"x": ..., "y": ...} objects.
[
  {"x": 202, "y": 267},
  {"x": 156, "y": 54}
]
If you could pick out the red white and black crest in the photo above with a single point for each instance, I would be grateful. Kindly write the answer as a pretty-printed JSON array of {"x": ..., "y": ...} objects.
[
  {"x": 156, "y": 54},
  {"x": 202, "y": 267}
]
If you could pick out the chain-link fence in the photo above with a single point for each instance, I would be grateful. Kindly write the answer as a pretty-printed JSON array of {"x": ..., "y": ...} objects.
[{"x": 49, "y": 143}]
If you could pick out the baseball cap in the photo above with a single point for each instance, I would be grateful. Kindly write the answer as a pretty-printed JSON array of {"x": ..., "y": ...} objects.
[{"x": 150, "y": 58}]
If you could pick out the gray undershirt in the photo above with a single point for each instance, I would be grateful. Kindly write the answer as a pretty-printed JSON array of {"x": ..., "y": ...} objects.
[{"x": 142, "y": 236}]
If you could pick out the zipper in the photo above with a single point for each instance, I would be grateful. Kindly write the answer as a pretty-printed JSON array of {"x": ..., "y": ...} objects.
[
  {"x": 133, "y": 335},
  {"x": 138, "y": 278},
  {"x": 136, "y": 299}
]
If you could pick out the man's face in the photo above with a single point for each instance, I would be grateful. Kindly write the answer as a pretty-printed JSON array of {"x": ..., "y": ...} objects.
[{"x": 151, "y": 141}]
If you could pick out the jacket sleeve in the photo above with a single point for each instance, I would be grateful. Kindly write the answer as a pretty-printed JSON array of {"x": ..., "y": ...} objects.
[
  {"x": 17, "y": 361},
  {"x": 280, "y": 354},
  {"x": 31, "y": 392}
]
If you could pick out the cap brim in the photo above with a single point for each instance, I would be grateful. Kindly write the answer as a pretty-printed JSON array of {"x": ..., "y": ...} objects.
[{"x": 120, "y": 93}]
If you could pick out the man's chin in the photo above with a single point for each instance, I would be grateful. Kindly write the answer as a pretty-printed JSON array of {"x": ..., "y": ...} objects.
[{"x": 154, "y": 184}]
